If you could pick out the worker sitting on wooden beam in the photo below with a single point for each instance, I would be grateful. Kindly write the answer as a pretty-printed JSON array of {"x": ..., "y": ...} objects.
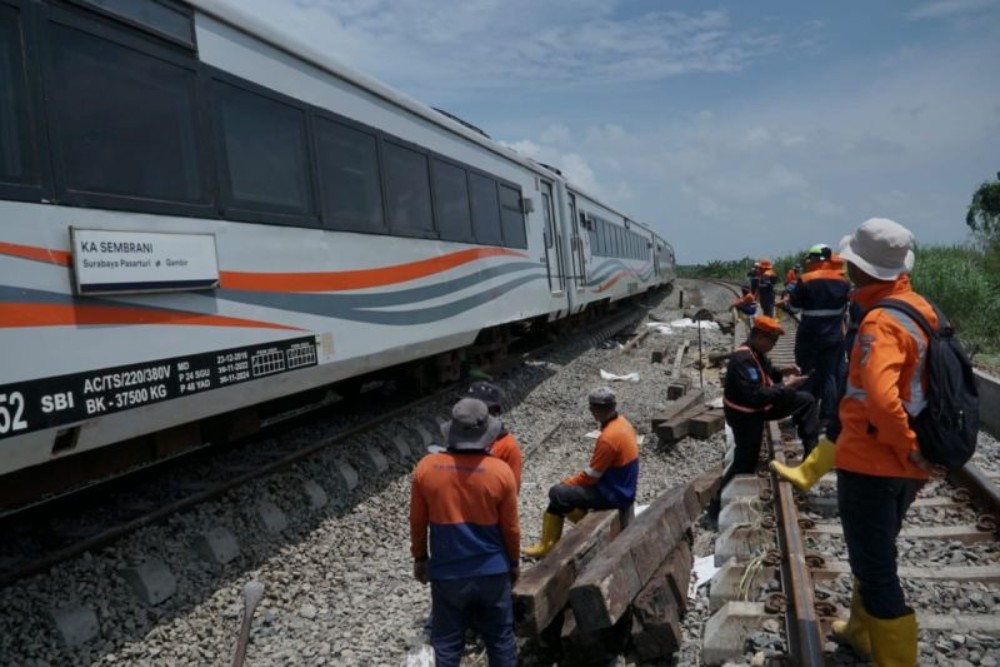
[{"x": 608, "y": 482}]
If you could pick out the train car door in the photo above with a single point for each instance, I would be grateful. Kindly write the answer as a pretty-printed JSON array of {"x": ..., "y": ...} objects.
[
  {"x": 656, "y": 257},
  {"x": 553, "y": 243},
  {"x": 579, "y": 256}
]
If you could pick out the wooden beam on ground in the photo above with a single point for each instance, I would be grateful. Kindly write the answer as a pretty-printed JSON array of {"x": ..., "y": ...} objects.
[
  {"x": 543, "y": 590},
  {"x": 657, "y": 610},
  {"x": 658, "y": 355},
  {"x": 706, "y": 485},
  {"x": 707, "y": 423},
  {"x": 679, "y": 359},
  {"x": 676, "y": 407},
  {"x": 609, "y": 584},
  {"x": 627, "y": 349},
  {"x": 678, "y": 387}
]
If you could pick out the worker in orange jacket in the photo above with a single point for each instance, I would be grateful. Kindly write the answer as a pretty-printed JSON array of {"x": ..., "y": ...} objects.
[
  {"x": 465, "y": 537},
  {"x": 608, "y": 482},
  {"x": 746, "y": 305},
  {"x": 766, "y": 286},
  {"x": 505, "y": 447},
  {"x": 879, "y": 466}
]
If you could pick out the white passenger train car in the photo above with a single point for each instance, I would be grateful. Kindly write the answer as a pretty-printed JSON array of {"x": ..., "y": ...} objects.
[{"x": 199, "y": 214}]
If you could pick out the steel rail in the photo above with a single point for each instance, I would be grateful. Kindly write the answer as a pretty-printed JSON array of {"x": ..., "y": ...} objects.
[{"x": 802, "y": 623}]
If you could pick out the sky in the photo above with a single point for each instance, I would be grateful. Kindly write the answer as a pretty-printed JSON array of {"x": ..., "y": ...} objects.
[{"x": 733, "y": 128}]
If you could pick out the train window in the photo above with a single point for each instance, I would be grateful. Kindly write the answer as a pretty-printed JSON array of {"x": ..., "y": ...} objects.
[
  {"x": 511, "y": 218},
  {"x": 349, "y": 181},
  {"x": 409, "y": 191},
  {"x": 162, "y": 16},
  {"x": 485, "y": 209},
  {"x": 264, "y": 161},
  {"x": 16, "y": 158},
  {"x": 451, "y": 202},
  {"x": 125, "y": 119}
]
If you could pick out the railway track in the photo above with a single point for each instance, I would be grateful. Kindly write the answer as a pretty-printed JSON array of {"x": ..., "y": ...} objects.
[
  {"x": 40, "y": 535},
  {"x": 784, "y": 575}
]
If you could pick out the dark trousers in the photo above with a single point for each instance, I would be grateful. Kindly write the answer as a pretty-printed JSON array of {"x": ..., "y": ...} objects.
[
  {"x": 482, "y": 603},
  {"x": 564, "y": 498},
  {"x": 871, "y": 511},
  {"x": 823, "y": 360},
  {"x": 766, "y": 297},
  {"x": 748, "y": 429}
]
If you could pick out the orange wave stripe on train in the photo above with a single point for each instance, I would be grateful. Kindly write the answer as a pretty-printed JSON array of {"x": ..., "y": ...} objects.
[
  {"x": 53, "y": 315},
  {"x": 610, "y": 283},
  {"x": 357, "y": 279},
  {"x": 58, "y": 257}
]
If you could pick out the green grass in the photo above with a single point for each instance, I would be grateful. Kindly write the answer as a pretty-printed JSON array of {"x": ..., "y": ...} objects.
[
  {"x": 962, "y": 280},
  {"x": 959, "y": 280}
]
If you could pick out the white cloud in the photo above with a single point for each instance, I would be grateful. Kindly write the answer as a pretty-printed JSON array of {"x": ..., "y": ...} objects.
[
  {"x": 489, "y": 44},
  {"x": 943, "y": 9}
]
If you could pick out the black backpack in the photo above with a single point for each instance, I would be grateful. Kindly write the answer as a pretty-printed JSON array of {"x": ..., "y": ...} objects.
[{"x": 948, "y": 426}]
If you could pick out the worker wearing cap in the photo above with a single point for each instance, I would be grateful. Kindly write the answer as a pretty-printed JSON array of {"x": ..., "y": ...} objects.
[
  {"x": 822, "y": 297},
  {"x": 609, "y": 480},
  {"x": 766, "y": 286},
  {"x": 505, "y": 447},
  {"x": 464, "y": 537},
  {"x": 756, "y": 392}
]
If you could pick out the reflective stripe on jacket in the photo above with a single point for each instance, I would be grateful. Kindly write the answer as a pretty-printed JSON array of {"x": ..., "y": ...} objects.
[
  {"x": 751, "y": 381},
  {"x": 885, "y": 384},
  {"x": 822, "y": 295}
]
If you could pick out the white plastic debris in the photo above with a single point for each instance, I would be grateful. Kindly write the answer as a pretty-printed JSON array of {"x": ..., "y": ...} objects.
[
  {"x": 639, "y": 509},
  {"x": 703, "y": 571},
  {"x": 422, "y": 657},
  {"x": 715, "y": 402},
  {"x": 593, "y": 434},
  {"x": 630, "y": 377},
  {"x": 660, "y": 328},
  {"x": 688, "y": 323}
]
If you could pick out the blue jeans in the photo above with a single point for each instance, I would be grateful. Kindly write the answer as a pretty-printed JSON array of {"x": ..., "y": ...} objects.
[
  {"x": 871, "y": 511},
  {"x": 485, "y": 604},
  {"x": 823, "y": 360}
]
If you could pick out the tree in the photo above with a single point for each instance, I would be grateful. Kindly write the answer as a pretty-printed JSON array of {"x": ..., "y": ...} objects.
[{"x": 983, "y": 216}]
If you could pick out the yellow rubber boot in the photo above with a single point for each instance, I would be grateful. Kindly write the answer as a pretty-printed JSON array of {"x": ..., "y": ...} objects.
[
  {"x": 894, "y": 641},
  {"x": 813, "y": 467},
  {"x": 577, "y": 515},
  {"x": 552, "y": 525},
  {"x": 854, "y": 631}
]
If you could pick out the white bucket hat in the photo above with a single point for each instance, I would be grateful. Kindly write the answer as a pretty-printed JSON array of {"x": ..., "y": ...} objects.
[{"x": 880, "y": 247}]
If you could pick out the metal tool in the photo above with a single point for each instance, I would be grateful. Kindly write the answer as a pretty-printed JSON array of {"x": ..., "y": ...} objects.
[{"x": 253, "y": 593}]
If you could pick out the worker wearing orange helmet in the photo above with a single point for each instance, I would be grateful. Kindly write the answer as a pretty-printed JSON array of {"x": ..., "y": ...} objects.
[
  {"x": 766, "y": 287},
  {"x": 757, "y": 392}
]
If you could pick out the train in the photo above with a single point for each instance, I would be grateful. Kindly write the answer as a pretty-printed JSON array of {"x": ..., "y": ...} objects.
[{"x": 201, "y": 214}]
